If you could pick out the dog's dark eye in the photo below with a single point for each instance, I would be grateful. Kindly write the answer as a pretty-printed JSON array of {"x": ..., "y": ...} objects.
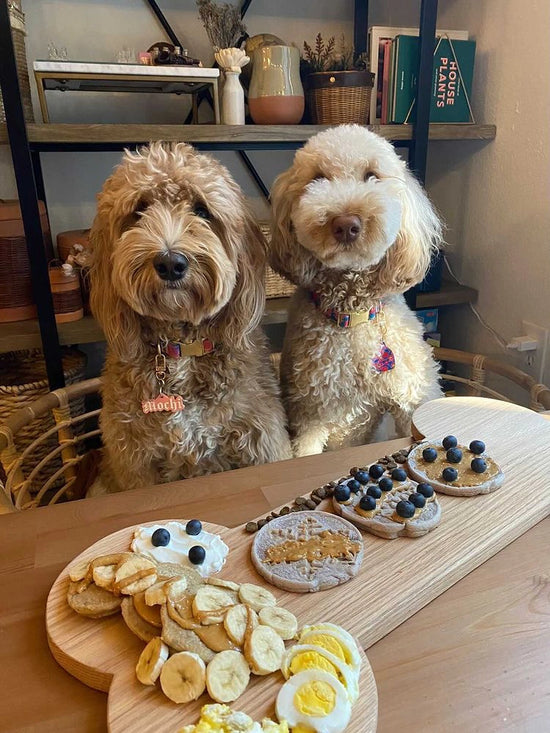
[
  {"x": 319, "y": 177},
  {"x": 201, "y": 211},
  {"x": 140, "y": 207},
  {"x": 370, "y": 176}
]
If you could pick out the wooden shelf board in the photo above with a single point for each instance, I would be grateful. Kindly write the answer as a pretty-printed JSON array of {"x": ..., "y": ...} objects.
[
  {"x": 26, "y": 334},
  {"x": 75, "y": 134}
]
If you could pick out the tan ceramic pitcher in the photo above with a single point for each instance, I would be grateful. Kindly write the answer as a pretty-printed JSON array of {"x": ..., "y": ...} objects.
[{"x": 276, "y": 95}]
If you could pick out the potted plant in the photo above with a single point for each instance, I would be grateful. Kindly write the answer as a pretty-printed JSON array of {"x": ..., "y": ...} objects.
[{"x": 338, "y": 86}]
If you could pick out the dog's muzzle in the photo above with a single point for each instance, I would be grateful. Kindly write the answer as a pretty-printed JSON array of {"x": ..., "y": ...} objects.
[{"x": 171, "y": 266}]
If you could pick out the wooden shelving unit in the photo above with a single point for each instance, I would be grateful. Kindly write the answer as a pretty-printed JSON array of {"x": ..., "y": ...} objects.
[{"x": 26, "y": 334}]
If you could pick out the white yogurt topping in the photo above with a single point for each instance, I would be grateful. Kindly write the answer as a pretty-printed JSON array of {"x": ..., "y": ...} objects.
[{"x": 178, "y": 548}]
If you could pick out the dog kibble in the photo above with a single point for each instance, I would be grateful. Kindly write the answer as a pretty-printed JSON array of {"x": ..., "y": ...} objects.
[
  {"x": 316, "y": 499},
  {"x": 321, "y": 493},
  {"x": 261, "y": 523},
  {"x": 300, "y": 500},
  {"x": 310, "y": 504},
  {"x": 252, "y": 527},
  {"x": 285, "y": 510}
]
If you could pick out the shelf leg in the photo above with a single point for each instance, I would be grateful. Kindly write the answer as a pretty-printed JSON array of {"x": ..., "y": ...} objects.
[
  {"x": 360, "y": 26},
  {"x": 28, "y": 199}
]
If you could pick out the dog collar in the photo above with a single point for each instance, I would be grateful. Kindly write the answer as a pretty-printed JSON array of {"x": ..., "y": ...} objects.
[
  {"x": 346, "y": 319},
  {"x": 198, "y": 347}
]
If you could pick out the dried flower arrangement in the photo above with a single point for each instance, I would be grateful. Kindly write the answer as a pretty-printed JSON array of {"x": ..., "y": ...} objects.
[
  {"x": 223, "y": 24},
  {"x": 324, "y": 56}
]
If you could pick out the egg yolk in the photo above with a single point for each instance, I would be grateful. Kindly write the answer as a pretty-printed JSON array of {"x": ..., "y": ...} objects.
[
  {"x": 312, "y": 660},
  {"x": 316, "y": 699},
  {"x": 329, "y": 643},
  {"x": 301, "y": 728}
]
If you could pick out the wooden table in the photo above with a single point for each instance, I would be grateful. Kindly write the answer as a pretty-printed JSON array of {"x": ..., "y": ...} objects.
[{"x": 475, "y": 659}]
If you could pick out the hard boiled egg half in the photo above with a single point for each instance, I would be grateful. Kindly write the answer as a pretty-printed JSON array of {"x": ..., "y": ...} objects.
[{"x": 314, "y": 701}]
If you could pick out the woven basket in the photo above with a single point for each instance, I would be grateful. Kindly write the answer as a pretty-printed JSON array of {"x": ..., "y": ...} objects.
[
  {"x": 17, "y": 19},
  {"x": 336, "y": 97},
  {"x": 23, "y": 379},
  {"x": 276, "y": 286}
]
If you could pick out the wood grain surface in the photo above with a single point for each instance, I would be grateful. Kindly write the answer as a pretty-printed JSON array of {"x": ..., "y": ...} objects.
[{"x": 103, "y": 653}]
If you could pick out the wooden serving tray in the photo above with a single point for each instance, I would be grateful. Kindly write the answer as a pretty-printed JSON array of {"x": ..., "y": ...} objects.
[{"x": 397, "y": 577}]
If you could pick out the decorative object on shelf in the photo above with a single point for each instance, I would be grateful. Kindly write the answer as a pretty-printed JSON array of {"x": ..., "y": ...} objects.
[
  {"x": 145, "y": 58},
  {"x": 276, "y": 94},
  {"x": 223, "y": 24},
  {"x": 231, "y": 60},
  {"x": 166, "y": 54},
  {"x": 22, "y": 382},
  {"x": 67, "y": 298},
  {"x": 73, "y": 247},
  {"x": 338, "y": 88},
  {"x": 125, "y": 55},
  {"x": 16, "y": 299},
  {"x": 17, "y": 22},
  {"x": 253, "y": 43},
  {"x": 56, "y": 53}
]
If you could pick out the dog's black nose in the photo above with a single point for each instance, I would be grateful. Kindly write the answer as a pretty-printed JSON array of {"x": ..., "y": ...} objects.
[
  {"x": 346, "y": 228},
  {"x": 170, "y": 266}
]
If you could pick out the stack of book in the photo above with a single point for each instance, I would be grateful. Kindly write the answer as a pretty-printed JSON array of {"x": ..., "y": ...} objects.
[{"x": 394, "y": 58}]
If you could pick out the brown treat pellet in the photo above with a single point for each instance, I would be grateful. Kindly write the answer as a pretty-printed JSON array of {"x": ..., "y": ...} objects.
[
  {"x": 285, "y": 510},
  {"x": 392, "y": 465},
  {"x": 316, "y": 499},
  {"x": 321, "y": 493},
  {"x": 300, "y": 500},
  {"x": 400, "y": 459},
  {"x": 330, "y": 491},
  {"x": 296, "y": 509},
  {"x": 333, "y": 484},
  {"x": 261, "y": 523},
  {"x": 251, "y": 527},
  {"x": 383, "y": 461},
  {"x": 354, "y": 470},
  {"x": 310, "y": 504}
]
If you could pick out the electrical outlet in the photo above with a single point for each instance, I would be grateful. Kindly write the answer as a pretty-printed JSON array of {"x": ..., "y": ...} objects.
[{"x": 534, "y": 362}]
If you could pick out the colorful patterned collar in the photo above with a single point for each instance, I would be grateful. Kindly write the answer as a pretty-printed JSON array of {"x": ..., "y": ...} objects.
[
  {"x": 198, "y": 347},
  {"x": 345, "y": 319}
]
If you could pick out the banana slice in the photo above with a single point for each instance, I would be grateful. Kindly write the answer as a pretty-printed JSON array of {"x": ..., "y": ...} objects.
[
  {"x": 227, "y": 676},
  {"x": 104, "y": 576},
  {"x": 264, "y": 650},
  {"x": 256, "y": 597},
  {"x": 151, "y": 661},
  {"x": 79, "y": 571},
  {"x": 183, "y": 677},
  {"x": 221, "y": 583},
  {"x": 155, "y": 595},
  {"x": 280, "y": 620},
  {"x": 174, "y": 589},
  {"x": 211, "y": 603},
  {"x": 151, "y": 614},
  {"x": 135, "y": 575},
  {"x": 236, "y": 621}
]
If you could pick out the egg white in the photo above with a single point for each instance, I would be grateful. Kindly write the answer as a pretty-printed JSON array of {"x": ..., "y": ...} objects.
[
  {"x": 335, "y": 722},
  {"x": 340, "y": 634}
]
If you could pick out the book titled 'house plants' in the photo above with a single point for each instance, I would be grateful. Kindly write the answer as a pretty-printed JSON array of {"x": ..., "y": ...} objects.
[{"x": 338, "y": 86}]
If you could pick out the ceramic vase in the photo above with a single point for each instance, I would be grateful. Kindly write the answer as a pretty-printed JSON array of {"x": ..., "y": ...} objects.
[
  {"x": 231, "y": 61},
  {"x": 276, "y": 95}
]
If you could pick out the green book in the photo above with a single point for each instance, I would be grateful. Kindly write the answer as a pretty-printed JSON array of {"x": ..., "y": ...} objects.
[{"x": 451, "y": 87}]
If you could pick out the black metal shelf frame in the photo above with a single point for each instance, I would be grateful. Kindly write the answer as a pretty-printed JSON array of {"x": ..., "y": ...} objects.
[{"x": 28, "y": 170}]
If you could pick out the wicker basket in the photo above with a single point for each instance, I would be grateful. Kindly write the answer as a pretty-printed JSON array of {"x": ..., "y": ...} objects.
[
  {"x": 23, "y": 380},
  {"x": 276, "y": 286},
  {"x": 336, "y": 97},
  {"x": 17, "y": 19}
]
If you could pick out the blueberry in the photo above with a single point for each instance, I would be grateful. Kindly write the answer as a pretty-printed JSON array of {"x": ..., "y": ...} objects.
[
  {"x": 405, "y": 509},
  {"x": 479, "y": 465},
  {"x": 342, "y": 493},
  {"x": 160, "y": 537},
  {"x": 374, "y": 491},
  {"x": 368, "y": 503},
  {"x": 193, "y": 527},
  {"x": 385, "y": 483},
  {"x": 354, "y": 485},
  {"x": 399, "y": 474},
  {"x": 362, "y": 477},
  {"x": 197, "y": 554},
  {"x": 376, "y": 470},
  {"x": 477, "y": 447},
  {"x": 418, "y": 500},
  {"x": 429, "y": 455},
  {"x": 426, "y": 490},
  {"x": 450, "y": 474},
  {"x": 454, "y": 455},
  {"x": 449, "y": 442}
]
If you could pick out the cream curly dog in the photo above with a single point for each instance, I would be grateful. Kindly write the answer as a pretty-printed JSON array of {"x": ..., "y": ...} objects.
[
  {"x": 353, "y": 229},
  {"x": 177, "y": 278}
]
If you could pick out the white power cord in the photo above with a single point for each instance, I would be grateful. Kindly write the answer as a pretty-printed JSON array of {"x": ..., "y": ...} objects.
[{"x": 497, "y": 337}]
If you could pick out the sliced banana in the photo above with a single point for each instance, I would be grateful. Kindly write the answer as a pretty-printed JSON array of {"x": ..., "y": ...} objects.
[
  {"x": 135, "y": 574},
  {"x": 221, "y": 583},
  {"x": 104, "y": 576},
  {"x": 151, "y": 614},
  {"x": 227, "y": 676},
  {"x": 155, "y": 595},
  {"x": 256, "y": 597},
  {"x": 175, "y": 588},
  {"x": 211, "y": 603},
  {"x": 264, "y": 650},
  {"x": 236, "y": 621},
  {"x": 151, "y": 661},
  {"x": 183, "y": 677},
  {"x": 79, "y": 571},
  {"x": 280, "y": 620}
]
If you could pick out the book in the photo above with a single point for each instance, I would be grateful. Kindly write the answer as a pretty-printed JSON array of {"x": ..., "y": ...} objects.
[
  {"x": 376, "y": 35},
  {"x": 451, "y": 86},
  {"x": 385, "y": 82}
]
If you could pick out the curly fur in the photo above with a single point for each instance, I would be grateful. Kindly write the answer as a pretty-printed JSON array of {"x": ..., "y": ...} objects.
[
  {"x": 332, "y": 396},
  {"x": 233, "y": 416}
]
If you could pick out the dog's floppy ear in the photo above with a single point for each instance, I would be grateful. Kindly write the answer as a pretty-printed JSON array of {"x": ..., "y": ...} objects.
[
  {"x": 407, "y": 260},
  {"x": 120, "y": 324},
  {"x": 286, "y": 254}
]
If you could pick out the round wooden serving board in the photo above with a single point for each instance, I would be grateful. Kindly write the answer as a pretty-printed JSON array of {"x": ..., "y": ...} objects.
[{"x": 103, "y": 653}]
